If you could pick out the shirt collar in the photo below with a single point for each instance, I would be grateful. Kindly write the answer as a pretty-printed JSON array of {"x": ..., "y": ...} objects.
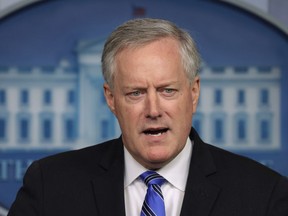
[
  {"x": 175, "y": 172},
  {"x": 132, "y": 168}
]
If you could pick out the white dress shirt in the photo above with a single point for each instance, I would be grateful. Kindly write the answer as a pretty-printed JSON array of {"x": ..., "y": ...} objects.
[{"x": 176, "y": 173}]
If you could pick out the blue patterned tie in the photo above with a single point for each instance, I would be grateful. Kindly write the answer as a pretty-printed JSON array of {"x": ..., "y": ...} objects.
[{"x": 154, "y": 202}]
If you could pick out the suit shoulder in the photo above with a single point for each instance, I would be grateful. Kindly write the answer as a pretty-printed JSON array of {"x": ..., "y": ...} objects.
[
  {"x": 228, "y": 161},
  {"x": 90, "y": 154}
]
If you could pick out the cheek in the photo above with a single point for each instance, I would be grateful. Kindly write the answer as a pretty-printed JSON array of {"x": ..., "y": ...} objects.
[
  {"x": 127, "y": 115},
  {"x": 183, "y": 106},
  {"x": 185, "y": 109}
]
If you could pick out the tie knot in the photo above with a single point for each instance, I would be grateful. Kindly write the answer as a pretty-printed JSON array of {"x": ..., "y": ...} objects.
[{"x": 151, "y": 177}]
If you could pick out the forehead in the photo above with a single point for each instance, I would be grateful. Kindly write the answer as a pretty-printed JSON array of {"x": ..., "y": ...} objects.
[{"x": 159, "y": 59}]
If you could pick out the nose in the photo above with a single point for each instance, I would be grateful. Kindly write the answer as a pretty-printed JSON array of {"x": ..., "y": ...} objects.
[{"x": 153, "y": 109}]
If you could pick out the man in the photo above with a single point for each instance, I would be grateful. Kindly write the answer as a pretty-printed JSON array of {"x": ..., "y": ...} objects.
[{"x": 152, "y": 86}]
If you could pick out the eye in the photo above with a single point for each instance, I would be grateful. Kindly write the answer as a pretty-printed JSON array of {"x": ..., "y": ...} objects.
[
  {"x": 135, "y": 94},
  {"x": 168, "y": 92}
]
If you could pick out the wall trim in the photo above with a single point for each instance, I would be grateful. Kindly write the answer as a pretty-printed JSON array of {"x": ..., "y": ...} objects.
[
  {"x": 14, "y": 7},
  {"x": 254, "y": 10}
]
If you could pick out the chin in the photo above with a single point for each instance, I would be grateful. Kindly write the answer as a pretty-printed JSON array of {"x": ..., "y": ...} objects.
[
  {"x": 157, "y": 164},
  {"x": 159, "y": 157}
]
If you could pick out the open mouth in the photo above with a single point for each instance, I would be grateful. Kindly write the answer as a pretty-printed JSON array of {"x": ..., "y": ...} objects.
[{"x": 155, "y": 131}]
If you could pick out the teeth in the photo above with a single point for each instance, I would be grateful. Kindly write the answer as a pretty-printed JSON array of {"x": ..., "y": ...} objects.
[{"x": 158, "y": 134}]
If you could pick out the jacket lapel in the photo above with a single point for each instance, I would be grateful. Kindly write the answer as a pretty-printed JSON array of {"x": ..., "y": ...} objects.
[
  {"x": 109, "y": 186},
  {"x": 200, "y": 193}
]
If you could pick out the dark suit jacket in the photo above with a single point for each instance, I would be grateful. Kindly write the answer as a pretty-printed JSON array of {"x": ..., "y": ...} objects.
[{"x": 89, "y": 182}]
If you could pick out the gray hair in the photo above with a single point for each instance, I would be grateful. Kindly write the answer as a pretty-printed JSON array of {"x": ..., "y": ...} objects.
[{"x": 138, "y": 32}]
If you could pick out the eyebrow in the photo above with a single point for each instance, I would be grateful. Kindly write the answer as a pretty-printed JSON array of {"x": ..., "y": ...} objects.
[{"x": 139, "y": 86}]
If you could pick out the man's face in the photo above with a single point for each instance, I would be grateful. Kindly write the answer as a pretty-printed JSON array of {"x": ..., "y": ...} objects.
[{"x": 153, "y": 101}]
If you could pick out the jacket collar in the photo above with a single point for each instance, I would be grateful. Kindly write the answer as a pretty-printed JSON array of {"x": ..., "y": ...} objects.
[
  {"x": 109, "y": 186},
  {"x": 200, "y": 193}
]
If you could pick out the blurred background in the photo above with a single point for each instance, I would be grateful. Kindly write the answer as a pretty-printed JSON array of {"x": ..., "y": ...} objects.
[{"x": 51, "y": 97}]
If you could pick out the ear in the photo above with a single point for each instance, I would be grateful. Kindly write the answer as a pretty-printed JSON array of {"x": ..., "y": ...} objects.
[
  {"x": 109, "y": 96},
  {"x": 195, "y": 92}
]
